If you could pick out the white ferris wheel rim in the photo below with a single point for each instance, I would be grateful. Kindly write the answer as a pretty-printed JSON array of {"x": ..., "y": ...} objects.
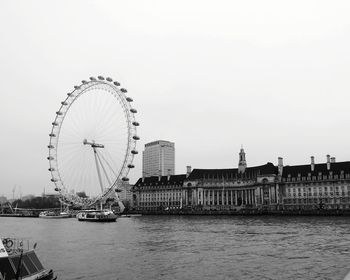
[{"x": 119, "y": 93}]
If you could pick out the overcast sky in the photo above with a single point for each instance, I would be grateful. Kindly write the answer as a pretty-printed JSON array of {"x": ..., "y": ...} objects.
[{"x": 207, "y": 75}]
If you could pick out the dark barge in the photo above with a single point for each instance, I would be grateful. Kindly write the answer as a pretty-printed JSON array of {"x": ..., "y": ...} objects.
[{"x": 19, "y": 263}]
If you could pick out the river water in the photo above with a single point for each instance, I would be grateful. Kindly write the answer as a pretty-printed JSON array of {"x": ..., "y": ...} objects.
[{"x": 190, "y": 247}]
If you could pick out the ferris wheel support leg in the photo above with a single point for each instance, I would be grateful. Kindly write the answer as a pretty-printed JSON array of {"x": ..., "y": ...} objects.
[
  {"x": 98, "y": 170},
  {"x": 103, "y": 168},
  {"x": 110, "y": 167}
]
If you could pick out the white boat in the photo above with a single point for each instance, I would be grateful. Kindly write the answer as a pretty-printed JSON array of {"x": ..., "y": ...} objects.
[
  {"x": 103, "y": 215},
  {"x": 54, "y": 215}
]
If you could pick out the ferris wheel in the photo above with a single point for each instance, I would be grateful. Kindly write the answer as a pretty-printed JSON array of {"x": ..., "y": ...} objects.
[{"x": 93, "y": 142}]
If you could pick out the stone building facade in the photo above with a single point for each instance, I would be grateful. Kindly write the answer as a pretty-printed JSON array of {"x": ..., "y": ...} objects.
[
  {"x": 159, "y": 193},
  {"x": 317, "y": 186},
  {"x": 230, "y": 189},
  {"x": 265, "y": 187}
]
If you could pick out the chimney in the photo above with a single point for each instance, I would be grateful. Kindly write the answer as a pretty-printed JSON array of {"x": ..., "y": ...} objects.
[
  {"x": 332, "y": 159},
  {"x": 328, "y": 162},
  {"x": 312, "y": 163},
  {"x": 188, "y": 170},
  {"x": 168, "y": 174},
  {"x": 280, "y": 166},
  {"x": 159, "y": 175}
]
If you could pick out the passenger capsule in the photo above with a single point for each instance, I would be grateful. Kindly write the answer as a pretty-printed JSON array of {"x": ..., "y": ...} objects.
[
  {"x": 50, "y": 146},
  {"x": 69, "y": 93},
  {"x": 101, "y": 78},
  {"x": 50, "y": 158},
  {"x": 129, "y": 99},
  {"x": 116, "y": 84},
  {"x": 64, "y": 103},
  {"x": 135, "y": 123},
  {"x": 57, "y": 189},
  {"x": 125, "y": 179},
  {"x": 135, "y": 137},
  {"x": 51, "y": 169},
  {"x": 52, "y": 135},
  {"x": 131, "y": 166},
  {"x": 77, "y": 87},
  {"x": 59, "y": 113},
  {"x": 133, "y": 110},
  {"x": 84, "y": 82},
  {"x": 55, "y": 124},
  {"x": 134, "y": 152},
  {"x": 53, "y": 180},
  {"x": 123, "y": 90},
  {"x": 109, "y": 79},
  {"x": 92, "y": 79}
]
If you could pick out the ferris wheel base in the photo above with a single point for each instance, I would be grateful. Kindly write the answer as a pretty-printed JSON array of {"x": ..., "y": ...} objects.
[{"x": 98, "y": 216}]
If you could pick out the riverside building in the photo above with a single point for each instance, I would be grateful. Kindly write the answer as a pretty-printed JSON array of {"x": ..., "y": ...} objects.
[
  {"x": 317, "y": 186},
  {"x": 232, "y": 189},
  {"x": 158, "y": 159},
  {"x": 266, "y": 187},
  {"x": 159, "y": 193}
]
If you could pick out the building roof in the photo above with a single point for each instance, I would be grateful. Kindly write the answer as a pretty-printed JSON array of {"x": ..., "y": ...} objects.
[
  {"x": 173, "y": 180},
  {"x": 159, "y": 142},
  {"x": 250, "y": 172},
  {"x": 304, "y": 170}
]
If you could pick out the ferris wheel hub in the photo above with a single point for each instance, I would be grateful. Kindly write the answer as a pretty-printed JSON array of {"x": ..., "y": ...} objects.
[{"x": 93, "y": 144}]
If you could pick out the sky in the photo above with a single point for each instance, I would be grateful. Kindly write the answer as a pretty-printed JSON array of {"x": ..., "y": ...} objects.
[{"x": 210, "y": 76}]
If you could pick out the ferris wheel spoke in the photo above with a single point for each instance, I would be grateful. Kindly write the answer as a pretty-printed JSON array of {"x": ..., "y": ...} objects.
[
  {"x": 109, "y": 126},
  {"x": 110, "y": 131},
  {"x": 116, "y": 155},
  {"x": 70, "y": 134},
  {"x": 70, "y": 143},
  {"x": 103, "y": 167}
]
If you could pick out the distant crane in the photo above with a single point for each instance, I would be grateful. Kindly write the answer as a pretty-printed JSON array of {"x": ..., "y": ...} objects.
[
  {"x": 20, "y": 192},
  {"x": 13, "y": 192}
]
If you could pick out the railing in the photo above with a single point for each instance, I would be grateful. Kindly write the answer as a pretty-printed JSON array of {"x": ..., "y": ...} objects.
[{"x": 15, "y": 245}]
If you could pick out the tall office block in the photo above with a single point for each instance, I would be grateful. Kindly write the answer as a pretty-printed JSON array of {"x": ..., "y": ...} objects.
[{"x": 158, "y": 159}]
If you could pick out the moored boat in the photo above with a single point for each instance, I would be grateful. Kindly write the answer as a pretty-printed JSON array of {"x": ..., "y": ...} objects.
[
  {"x": 54, "y": 215},
  {"x": 97, "y": 216},
  {"x": 18, "y": 262}
]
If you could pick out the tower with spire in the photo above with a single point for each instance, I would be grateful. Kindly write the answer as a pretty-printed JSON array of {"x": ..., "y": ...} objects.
[{"x": 242, "y": 164}]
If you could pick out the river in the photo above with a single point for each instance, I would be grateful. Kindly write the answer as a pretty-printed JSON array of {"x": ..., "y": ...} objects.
[{"x": 190, "y": 247}]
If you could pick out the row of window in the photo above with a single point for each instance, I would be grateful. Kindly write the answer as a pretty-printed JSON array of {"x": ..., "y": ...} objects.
[
  {"x": 311, "y": 184},
  {"x": 321, "y": 194},
  {"x": 319, "y": 177},
  {"x": 319, "y": 189},
  {"x": 152, "y": 204},
  {"x": 163, "y": 196},
  {"x": 315, "y": 200},
  {"x": 151, "y": 187}
]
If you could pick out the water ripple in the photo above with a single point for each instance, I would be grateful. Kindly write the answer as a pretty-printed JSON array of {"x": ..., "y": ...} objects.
[{"x": 208, "y": 247}]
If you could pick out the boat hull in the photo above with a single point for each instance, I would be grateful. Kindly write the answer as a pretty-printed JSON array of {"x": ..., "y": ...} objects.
[
  {"x": 55, "y": 217},
  {"x": 97, "y": 216},
  {"x": 101, "y": 220},
  {"x": 46, "y": 275}
]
